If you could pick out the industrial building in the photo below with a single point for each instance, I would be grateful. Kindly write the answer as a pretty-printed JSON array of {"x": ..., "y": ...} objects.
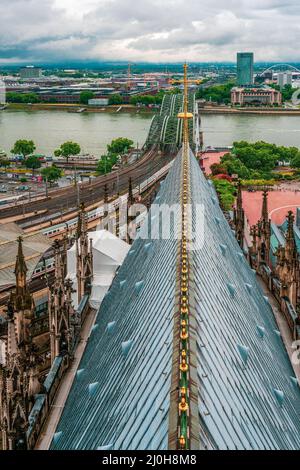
[{"x": 30, "y": 72}]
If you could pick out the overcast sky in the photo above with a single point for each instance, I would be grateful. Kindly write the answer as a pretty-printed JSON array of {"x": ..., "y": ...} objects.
[{"x": 148, "y": 30}]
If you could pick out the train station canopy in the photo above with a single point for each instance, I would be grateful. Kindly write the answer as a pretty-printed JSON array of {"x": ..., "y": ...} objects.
[
  {"x": 247, "y": 395},
  {"x": 109, "y": 253},
  {"x": 34, "y": 246}
]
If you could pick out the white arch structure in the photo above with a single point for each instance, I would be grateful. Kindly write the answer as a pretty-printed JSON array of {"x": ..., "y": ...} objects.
[{"x": 280, "y": 65}]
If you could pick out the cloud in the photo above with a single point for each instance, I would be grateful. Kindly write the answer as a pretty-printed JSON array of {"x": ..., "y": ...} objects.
[{"x": 148, "y": 30}]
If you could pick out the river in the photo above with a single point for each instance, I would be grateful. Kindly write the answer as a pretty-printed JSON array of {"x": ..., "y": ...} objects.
[
  {"x": 93, "y": 131},
  {"x": 49, "y": 129},
  {"x": 225, "y": 129}
]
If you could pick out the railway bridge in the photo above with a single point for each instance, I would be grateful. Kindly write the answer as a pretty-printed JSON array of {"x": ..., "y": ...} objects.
[{"x": 166, "y": 129}]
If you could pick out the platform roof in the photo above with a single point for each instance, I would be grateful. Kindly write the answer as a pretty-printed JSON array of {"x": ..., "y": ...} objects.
[{"x": 34, "y": 246}]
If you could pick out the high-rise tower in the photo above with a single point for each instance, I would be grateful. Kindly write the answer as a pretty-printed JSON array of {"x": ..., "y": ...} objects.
[{"x": 245, "y": 68}]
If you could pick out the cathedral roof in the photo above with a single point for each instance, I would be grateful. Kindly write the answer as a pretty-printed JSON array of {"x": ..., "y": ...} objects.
[{"x": 248, "y": 396}]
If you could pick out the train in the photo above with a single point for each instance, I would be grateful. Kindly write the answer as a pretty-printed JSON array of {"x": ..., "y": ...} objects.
[
  {"x": 95, "y": 214},
  {"x": 43, "y": 267},
  {"x": 11, "y": 199}
]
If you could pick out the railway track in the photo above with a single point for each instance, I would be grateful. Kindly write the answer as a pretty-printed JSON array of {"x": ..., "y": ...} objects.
[{"x": 65, "y": 199}]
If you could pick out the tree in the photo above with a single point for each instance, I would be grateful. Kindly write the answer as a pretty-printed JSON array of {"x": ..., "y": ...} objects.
[
  {"x": 106, "y": 163},
  {"x": 14, "y": 97},
  {"x": 295, "y": 163},
  {"x": 4, "y": 163},
  {"x": 218, "y": 169},
  {"x": 51, "y": 173},
  {"x": 30, "y": 98},
  {"x": 120, "y": 145},
  {"x": 115, "y": 99},
  {"x": 234, "y": 166},
  {"x": 287, "y": 91},
  {"x": 144, "y": 99},
  {"x": 33, "y": 163},
  {"x": 23, "y": 147},
  {"x": 219, "y": 93},
  {"x": 85, "y": 96},
  {"x": 67, "y": 150}
]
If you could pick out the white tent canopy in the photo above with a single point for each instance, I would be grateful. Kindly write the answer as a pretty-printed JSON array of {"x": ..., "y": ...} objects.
[{"x": 109, "y": 253}]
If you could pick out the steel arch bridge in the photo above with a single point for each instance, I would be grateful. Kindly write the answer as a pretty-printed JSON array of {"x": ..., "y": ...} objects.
[
  {"x": 166, "y": 129},
  {"x": 279, "y": 65}
]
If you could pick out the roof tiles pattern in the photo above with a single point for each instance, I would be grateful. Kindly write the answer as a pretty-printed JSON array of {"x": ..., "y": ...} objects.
[{"x": 248, "y": 397}]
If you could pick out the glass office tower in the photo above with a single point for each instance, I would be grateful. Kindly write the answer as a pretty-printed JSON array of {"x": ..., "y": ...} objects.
[{"x": 245, "y": 73}]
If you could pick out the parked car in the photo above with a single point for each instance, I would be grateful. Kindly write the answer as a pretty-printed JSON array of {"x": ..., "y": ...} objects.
[{"x": 3, "y": 189}]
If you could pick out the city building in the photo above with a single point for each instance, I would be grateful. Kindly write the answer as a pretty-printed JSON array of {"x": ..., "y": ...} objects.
[
  {"x": 30, "y": 72},
  {"x": 71, "y": 94},
  {"x": 284, "y": 79},
  {"x": 245, "y": 68},
  {"x": 256, "y": 96}
]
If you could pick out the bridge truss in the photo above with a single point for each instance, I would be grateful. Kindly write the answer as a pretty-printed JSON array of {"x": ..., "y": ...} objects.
[{"x": 166, "y": 129}]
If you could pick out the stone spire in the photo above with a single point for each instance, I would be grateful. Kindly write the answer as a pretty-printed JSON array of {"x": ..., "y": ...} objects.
[
  {"x": 105, "y": 198},
  {"x": 84, "y": 256},
  {"x": 64, "y": 254},
  {"x": 287, "y": 267},
  {"x": 14, "y": 404},
  {"x": 265, "y": 212},
  {"x": 130, "y": 193},
  {"x": 260, "y": 251},
  {"x": 12, "y": 342},
  {"x": 130, "y": 218},
  {"x": 21, "y": 299},
  {"x": 21, "y": 272},
  {"x": 239, "y": 217},
  {"x": 19, "y": 374},
  {"x": 290, "y": 244},
  {"x": 60, "y": 308}
]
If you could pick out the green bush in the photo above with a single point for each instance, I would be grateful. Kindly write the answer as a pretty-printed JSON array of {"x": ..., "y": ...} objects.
[{"x": 226, "y": 192}]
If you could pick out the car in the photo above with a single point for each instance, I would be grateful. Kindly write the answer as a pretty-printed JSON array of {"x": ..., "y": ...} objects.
[
  {"x": 22, "y": 188},
  {"x": 3, "y": 189}
]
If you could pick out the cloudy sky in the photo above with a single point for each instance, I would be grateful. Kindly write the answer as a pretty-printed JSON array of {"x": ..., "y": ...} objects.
[{"x": 148, "y": 30}]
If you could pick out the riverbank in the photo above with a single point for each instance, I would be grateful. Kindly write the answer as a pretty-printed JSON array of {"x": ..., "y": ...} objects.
[
  {"x": 127, "y": 108},
  {"x": 250, "y": 111},
  {"x": 74, "y": 108}
]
